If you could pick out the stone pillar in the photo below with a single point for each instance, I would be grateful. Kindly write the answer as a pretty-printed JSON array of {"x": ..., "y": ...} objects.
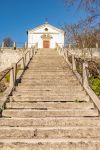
[
  {"x": 97, "y": 46},
  {"x": 85, "y": 78},
  {"x": 73, "y": 63},
  {"x": 14, "y": 45},
  {"x": 25, "y": 46},
  {"x": 23, "y": 63},
  {"x": 12, "y": 78},
  {"x": 69, "y": 46},
  {"x": 2, "y": 44}
]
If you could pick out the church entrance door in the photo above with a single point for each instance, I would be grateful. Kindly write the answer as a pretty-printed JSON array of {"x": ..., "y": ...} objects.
[{"x": 46, "y": 44}]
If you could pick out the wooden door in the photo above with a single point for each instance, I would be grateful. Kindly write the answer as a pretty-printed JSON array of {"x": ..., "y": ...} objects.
[{"x": 46, "y": 44}]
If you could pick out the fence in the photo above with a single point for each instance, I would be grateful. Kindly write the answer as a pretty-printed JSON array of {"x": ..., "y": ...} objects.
[
  {"x": 83, "y": 77},
  {"x": 15, "y": 72}
]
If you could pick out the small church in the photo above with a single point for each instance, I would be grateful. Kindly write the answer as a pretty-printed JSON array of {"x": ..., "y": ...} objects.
[{"x": 46, "y": 36}]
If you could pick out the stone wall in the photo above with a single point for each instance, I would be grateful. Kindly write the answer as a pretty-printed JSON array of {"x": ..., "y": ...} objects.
[
  {"x": 86, "y": 52},
  {"x": 9, "y": 56}
]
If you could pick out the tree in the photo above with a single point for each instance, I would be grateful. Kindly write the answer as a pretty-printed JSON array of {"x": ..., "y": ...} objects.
[
  {"x": 8, "y": 42},
  {"x": 91, "y": 6}
]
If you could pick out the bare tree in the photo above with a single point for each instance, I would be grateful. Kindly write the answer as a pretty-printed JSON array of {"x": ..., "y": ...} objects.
[
  {"x": 91, "y": 6},
  {"x": 8, "y": 42}
]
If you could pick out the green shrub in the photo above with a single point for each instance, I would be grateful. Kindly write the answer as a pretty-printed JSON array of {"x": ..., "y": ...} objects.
[
  {"x": 7, "y": 77},
  {"x": 95, "y": 84}
]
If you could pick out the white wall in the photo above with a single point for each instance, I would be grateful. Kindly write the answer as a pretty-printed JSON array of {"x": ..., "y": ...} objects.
[{"x": 34, "y": 36}]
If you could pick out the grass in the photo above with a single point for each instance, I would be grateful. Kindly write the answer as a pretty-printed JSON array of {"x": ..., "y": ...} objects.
[
  {"x": 8, "y": 75},
  {"x": 95, "y": 84}
]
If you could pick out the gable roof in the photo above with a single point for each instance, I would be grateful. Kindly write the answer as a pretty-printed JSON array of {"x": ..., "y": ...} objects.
[{"x": 45, "y": 25}]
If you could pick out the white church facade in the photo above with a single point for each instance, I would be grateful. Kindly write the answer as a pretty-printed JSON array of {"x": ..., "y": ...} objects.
[{"x": 46, "y": 36}]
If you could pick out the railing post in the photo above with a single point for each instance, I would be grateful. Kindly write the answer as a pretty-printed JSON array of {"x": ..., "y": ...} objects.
[
  {"x": 85, "y": 78},
  {"x": 14, "y": 65},
  {"x": 12, "y": 82},
  {"x": 23, "y": 63},
  {"x": 14, "y": 45},
  {"x": 2, "y": 44},
  {"x": 24, "y": 58},
  {"x": 66, "y": 56},
  {"x": 29, "y": 56},
  {"x": 34, "y": 50},
  {"x": 31, "y": 52},
  {"x": 73, "y": 63},
  {"x": 25, "y": 46}
]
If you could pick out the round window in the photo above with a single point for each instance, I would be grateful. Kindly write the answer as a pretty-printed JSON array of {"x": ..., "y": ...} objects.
[{"x": 46, "y": 29}]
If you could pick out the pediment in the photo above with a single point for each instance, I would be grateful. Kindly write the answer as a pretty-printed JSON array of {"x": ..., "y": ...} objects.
[{"x": 45, "y": 28}]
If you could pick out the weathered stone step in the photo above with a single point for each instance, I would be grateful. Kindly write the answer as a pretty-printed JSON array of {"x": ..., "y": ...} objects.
[
  {"x": 45, "y": 78},
  {"x": 47, "y": 75},
  {"x": 51, "y": 79},
  {"x": 47, "y": 66},
  {"x": 36, "y": 76},
  {"x": 50, "y": 144},
  {"x": 49, "y": 93},
  {"x": 49, "y": 70},
  {"x": 40, "y": 98},
  {"x": 24, "y": 113},
  {"x": 47, "y": 58},
  {"x": 49, "y": 89},
  {"x": 51, "y": 122},
  {"x": 49, "y": 132},
  {"x": 50, "y": 83},
  {"x": 59, "y": 87},
  {"x": 30, "y": 73},
  {"x": 50, "y": 105}
]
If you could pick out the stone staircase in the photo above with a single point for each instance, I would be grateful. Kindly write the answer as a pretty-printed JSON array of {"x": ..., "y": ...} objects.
[{"x": 49, "y": 109}]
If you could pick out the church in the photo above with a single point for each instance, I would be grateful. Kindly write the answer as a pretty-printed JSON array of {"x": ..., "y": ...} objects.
[{"x": 46, "y": 36}]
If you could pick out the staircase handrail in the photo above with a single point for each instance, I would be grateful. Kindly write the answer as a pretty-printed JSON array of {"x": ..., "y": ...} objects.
[
  {"x": 84, "y": 78},
  {"x": 15, "y": 73}
]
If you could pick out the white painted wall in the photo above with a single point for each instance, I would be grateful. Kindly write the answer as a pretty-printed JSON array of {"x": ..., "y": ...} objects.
[{"x": 34, "y": 36}]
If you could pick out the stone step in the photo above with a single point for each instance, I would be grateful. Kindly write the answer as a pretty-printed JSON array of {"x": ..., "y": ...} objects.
[
  {"x": 43, "y": 60},
  {"x": 46, "y": 57},
  {"x": 51, "y": 122},
  {"x": 47, "y": 66},
  {"x": 44, "y": 87},
  {"x": 38, "y": 69},
  {"x": 26, "y": 113},
  {"x": 50, "y": 144},
  {"x": 49, "y": 89},
  {"x": 51, "y": 79},
  {"x": 49, "y": 132},
  {"x": 50, "y": 105},
  {"x": 40, "y": 98},
  {"x": 45, "y": 78},
  {"x": 39, "y": 76},
  {"x": 49, "y": 93},
  {"x": 31, "y": 73},
  {"x": 50, "y": 83}
]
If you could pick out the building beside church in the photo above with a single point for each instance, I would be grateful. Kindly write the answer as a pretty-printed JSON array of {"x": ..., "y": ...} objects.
[{"x": 46, "y": 36}]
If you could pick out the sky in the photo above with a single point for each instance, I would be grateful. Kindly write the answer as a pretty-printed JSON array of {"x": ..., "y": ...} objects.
[{"x": 17, "y": 16}]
